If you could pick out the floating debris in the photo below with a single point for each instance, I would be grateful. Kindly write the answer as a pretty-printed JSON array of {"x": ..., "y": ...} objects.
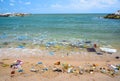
[
  {"x": 21, "y": 38},
  {"x": 3, "y": 36},
  {"x": 20, "y": 46},
  {"x": 51, "y": 53}
]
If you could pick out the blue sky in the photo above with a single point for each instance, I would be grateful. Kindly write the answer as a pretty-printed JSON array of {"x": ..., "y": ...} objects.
[{"x": 59, "y": 6}]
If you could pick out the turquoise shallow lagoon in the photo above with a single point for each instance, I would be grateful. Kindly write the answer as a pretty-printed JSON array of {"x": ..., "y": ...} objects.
[{"x": 38, "y": 28}]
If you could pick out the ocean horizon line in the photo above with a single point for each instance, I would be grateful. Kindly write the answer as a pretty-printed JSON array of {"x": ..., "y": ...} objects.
[
  {"x": 51, "y": 13},
  {"x": 70, "y": 13}
]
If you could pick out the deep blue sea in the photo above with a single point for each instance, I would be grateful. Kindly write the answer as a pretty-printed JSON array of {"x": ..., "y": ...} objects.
[{"x": 57, "y": 27}]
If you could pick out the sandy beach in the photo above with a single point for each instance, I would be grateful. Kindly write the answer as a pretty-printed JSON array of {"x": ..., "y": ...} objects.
[{"x": 31, "y": 57}]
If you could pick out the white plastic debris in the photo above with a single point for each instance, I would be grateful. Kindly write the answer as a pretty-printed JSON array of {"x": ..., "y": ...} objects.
[{"x": 109, "y": 50}]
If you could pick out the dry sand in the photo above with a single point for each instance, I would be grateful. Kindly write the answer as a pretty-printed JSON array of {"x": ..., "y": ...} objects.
[{"x": 31, "y": 57}]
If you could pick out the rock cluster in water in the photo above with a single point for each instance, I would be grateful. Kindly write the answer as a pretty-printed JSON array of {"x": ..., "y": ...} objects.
[
  {"x": 113, "y": 16},
  {"x": 13, "y": 14}
]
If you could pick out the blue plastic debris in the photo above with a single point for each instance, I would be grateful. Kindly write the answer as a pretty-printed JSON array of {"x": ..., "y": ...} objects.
[
  {"x": 51, "y": 53},
  {"x": 21, "y": 38},
  {"x": 21, "y": 70},
  {"x": 39, "y": 63},
  {"x": 114, "y": 68},
  {"x": 48, "y": 44},
  {"x": 88, "y": 42},
  {"x": 45, "y": 69},
  {"x": 20, "y": 47},
  {"x": 3, "y": 36}
]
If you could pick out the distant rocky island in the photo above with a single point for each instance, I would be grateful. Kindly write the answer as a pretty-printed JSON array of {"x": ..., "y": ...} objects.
[
  {"x": 115, "y": 15},
  {"x": 13, "y": 14}
]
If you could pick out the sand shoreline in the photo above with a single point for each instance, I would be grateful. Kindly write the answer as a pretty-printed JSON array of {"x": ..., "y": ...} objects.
[{"x": 76, "y": 58}]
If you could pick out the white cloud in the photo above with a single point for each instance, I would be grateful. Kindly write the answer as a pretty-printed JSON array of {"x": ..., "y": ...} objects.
[
  {"x": 87, "y": 4},
  {"x": 27, "y": 3},
  {"x": 11, "y": 4}
]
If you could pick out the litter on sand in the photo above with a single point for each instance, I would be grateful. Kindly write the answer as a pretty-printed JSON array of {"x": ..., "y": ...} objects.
[
  {"x": 109, "y": 69},
  {"x": 57, "y": 63},
  {"x": 91, "y": 50},
  {"x": 108, "y": 50},
  {"x": 16, "y": 65}
]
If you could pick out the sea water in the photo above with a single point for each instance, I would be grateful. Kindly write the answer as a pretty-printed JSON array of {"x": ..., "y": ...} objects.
[{"x": 57, "y": 27}]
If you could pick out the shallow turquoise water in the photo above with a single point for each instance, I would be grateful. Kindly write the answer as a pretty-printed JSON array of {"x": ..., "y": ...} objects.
[{"x": 60, "y": 27}]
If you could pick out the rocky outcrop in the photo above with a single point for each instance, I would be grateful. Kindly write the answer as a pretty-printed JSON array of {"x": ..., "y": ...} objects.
[
  {"x": 13, "y": 14},
  {"x": 112, "y": 16},
  {"x": 4, "y": 15},
  {"x": 115, "y": 15}
]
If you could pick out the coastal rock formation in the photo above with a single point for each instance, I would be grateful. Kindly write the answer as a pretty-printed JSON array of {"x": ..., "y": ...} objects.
[
  {"x": 4, "y": 15},
  {"x": 13, "y": 14},
  {"x": 113, "y": 16}
]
